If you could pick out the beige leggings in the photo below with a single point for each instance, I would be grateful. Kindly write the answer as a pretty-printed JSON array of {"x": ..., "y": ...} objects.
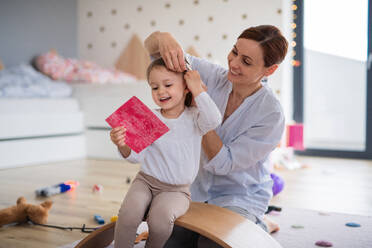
[{"x": 164, "y": 202}]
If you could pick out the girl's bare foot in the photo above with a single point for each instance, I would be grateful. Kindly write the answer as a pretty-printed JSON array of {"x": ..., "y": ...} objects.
[{"x": 271, "y": 225}]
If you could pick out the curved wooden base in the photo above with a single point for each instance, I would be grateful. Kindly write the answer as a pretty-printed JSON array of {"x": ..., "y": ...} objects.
[{"x": 221, "y": 225}]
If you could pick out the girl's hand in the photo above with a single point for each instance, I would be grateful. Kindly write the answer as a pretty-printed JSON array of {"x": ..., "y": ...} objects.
[
  {"x": 171, "y": 52},
  {"x": 194, "y": 83},
  {"x": 118, "y": 136}
]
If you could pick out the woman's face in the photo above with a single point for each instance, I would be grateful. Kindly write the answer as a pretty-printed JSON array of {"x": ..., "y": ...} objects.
[{"x": 246, "y": 63}]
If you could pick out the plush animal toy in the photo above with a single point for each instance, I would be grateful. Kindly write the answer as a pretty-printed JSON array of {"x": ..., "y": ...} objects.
[{"x": 22, "y": 212}]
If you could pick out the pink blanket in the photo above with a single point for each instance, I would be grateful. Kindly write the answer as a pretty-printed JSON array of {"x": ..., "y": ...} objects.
[{"x": 73, "y": 70}]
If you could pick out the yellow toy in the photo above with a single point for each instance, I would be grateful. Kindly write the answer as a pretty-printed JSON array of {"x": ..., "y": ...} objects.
[{"x": 22, "y": 212}]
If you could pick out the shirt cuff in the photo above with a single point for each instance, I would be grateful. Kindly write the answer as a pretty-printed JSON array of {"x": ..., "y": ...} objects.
[
  {"x": 133, "y": 157},
  {"x": 221, "y": 163},
  {"x": 200, "y": 98}
]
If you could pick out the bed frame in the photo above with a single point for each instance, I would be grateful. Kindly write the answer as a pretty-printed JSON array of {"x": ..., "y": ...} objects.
[{"x": 221, "y": 225}]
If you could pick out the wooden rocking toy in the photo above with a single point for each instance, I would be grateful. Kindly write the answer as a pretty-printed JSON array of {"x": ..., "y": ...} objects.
[{"x": 223, "y": 226}]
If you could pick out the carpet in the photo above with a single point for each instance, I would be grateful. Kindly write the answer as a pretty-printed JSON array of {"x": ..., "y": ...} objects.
[
  {"x": 301, "y": 228},
  {"x": 321, "y": 226}
]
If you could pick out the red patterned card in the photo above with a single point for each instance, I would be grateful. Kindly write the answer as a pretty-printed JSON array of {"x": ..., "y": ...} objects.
[{"x": 143, "y": 126}]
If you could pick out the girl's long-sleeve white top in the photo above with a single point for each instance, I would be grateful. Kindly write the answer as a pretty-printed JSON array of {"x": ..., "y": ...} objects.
[
  {"x": 174, "y": 157},
  {"x": 238, "y": 175}
]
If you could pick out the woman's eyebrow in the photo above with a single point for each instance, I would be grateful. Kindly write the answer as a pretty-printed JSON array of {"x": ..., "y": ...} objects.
[{"x": 244, "y": 56}]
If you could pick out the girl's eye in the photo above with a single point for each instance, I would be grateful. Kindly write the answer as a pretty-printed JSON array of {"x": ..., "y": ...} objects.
[
  {"x": 168, "y": 85},
  {"x": 234, "y": 52},
  {"x": 155, "y": 88}
]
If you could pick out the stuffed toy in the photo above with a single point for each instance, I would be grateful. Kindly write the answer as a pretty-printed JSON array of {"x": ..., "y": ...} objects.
[{"x": 22, "y": 212}]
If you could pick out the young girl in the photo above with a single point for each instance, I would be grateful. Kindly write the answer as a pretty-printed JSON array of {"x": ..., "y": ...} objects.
[{"x": 171, "y": 163}]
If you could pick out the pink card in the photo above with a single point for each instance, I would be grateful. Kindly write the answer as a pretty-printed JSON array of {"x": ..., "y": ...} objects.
[{"x": 143, "y": 126}]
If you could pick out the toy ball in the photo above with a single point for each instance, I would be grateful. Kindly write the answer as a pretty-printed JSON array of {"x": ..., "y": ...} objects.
[{"x": 278, "y": 183}]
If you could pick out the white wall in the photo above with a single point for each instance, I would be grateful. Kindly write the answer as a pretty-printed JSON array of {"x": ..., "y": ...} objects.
[{"x": 105, "y": 27}]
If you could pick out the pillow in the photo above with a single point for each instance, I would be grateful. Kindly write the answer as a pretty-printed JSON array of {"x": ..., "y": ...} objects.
[
  {"x": 191, "y": 50},
  {"x": 134, "y": 59}
]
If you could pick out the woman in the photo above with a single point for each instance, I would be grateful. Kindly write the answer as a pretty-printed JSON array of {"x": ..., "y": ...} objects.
[{"x": 233, "y": 172}]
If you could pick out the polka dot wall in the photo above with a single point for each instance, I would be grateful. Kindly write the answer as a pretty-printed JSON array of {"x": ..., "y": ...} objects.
[{"x": 210, "y": 26}]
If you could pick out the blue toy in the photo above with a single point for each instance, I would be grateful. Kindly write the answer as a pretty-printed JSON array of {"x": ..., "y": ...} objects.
[{"x": 99, "y": 219}]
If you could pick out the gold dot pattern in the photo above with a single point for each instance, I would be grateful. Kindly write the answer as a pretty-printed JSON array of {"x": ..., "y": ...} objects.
[{"x": 197, "y": 29}]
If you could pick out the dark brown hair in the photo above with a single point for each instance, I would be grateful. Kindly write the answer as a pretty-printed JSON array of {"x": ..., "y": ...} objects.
[
  {"x": 274, "y": 45},
  {"x": 160, "y": 63}
]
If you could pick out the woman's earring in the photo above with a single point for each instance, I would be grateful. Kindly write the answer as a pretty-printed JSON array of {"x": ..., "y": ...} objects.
[{"x": 264, "y": 80}]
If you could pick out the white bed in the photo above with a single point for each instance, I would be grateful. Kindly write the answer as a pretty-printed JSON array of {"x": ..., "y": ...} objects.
[
  {"x": 40, "y": 130},
  {"x": 98, "y": 101}
]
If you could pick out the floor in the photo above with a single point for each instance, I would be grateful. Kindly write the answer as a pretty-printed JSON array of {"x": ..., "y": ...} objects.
[{"x": 335, "y": 185}]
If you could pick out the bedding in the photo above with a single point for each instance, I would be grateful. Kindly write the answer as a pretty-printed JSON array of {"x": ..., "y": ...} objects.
[
  {"x": 25, "y": 81},
  {"x": 73, "y": 70}
]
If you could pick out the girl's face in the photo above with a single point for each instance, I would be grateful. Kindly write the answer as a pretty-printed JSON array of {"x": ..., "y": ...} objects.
[
  {"x": 246, "y": 63},
  {"x": 168, "y": 89}
]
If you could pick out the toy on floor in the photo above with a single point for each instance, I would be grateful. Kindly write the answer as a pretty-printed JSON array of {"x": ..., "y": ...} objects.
[
  {"x": 22, "y": 212},
  {"x": 57, "y": 189},
  {"x": 278, "y": 183}
]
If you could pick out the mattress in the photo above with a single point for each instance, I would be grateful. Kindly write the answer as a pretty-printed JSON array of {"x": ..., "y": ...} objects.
[
  {"x": 40, "y": 130},
  {"x": 37, "y": 117},
  {"x": 98, "y": 101}
]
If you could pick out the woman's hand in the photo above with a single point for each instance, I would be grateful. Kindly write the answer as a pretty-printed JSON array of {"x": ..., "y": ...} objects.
[
  {"x": 117, "y": 136},
  {"x": 170, "y": 50},
  {"x": 194, "y": 83}
]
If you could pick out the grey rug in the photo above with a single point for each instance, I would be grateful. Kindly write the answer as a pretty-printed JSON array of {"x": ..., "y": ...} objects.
[
  {"x": 313, "y": 226},
  {"x": 321, "y": 226}
]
